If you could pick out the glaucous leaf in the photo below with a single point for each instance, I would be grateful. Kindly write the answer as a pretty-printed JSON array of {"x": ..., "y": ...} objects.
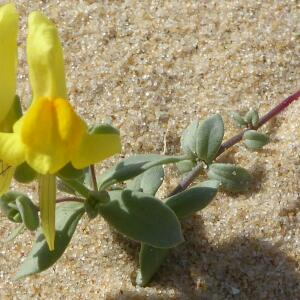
[
  {"x": 28, "y": 212},
  {"x": 149, "y": 181},
  {"x": 142, "y": 218},
  {"x": 24, "y": 173},
  {"x": 61, "y": 186},
  {"x": 8, "y": 206},
  {"x": 210, "y": 134},
  {"x": 183, "y": 204},
  {"x": 185, "y": 166},
  {"x": 254, "y": 140},
  {"x": 132, "y": 167},
  {"x": 41, "y": 258},
  {"x": 193, "y": 199},
  {"x": 188, "y": 139},
  {"x": 15, "y": 232},
  {"x": 93, "y": 201},
  {"x": 69, "y": 172},
  {"x": 252, "y": 117},
  {"x": 232, "y": 178},
  {"x": 238, "y": 119},
  {"x": 150, "y": 259},
  {"x": 105, "y": 128}
]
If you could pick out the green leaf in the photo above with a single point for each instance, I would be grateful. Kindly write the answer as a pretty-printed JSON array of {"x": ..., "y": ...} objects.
[
  {"x": 61, "y": 186},
  {"x": 150, "y": 260},
  {"x": 238, "y": 119},
  {"x": 252, "y": 117},
  {"x": 142, "y": 218},
  {"x": 41, "y": 258},
  {"x": 28, "y": 212},
  {"x": 185, "y": 166},
  {"x": 47, "y": 198},
  {"x": 132, "y": 167},
  {"x": 69, "y": 172},
  {"x": 188, "y": 139},
  {"x": 8, "y": 206},
  {"x": 233, "y": 178},
  {"x": 16, "y": 232},
  {"x": 194, "y": 199},
  {"x": 24, "y": 173},
  {"x": 104, "y": 129},
  {"x": 183, "y": 204},
  {"x": 209, "y": 138},
  {"x": 254, "y": 140},
  {"x": 149, "y": 181},
  {"x": 93, "y": 201}
]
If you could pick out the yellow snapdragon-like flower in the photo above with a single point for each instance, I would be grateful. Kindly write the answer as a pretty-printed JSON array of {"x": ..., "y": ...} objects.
[
  {"x": 8, "y": 65},
  {"x": 51, "y": 134}
]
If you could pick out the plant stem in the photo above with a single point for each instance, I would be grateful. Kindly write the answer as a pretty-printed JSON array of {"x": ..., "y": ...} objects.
[
  {"x": 94, "y": 179},
  {"x": 234, "y": 140}
]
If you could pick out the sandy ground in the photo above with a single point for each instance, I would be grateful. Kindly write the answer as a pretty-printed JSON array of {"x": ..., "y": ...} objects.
[{"x": 152, "y": 66}]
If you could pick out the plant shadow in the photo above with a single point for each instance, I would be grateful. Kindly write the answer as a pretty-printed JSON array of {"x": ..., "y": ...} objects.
[{"x": 240, "y": 268}]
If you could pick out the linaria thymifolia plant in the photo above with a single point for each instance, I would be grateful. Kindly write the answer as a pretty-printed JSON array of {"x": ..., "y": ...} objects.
[{"x": 50, "y": 143}]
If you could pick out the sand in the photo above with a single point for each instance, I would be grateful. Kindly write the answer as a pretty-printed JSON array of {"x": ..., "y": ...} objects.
[{"x": 152, "y": 67}]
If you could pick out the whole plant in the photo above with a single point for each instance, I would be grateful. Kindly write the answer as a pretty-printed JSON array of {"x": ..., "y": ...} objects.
[{"x": 51, "y": 144}]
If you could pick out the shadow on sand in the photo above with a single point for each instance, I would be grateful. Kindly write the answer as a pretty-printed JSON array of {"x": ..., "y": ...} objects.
[{"x": 244, "y": 268}]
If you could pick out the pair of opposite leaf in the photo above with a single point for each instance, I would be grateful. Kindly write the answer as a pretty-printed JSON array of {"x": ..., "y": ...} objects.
[{"x": 50, "y": 134}]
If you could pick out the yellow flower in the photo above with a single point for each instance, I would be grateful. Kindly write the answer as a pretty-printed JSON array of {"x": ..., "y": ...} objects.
[
  {"x": 8, "y": 65},
  {"x": 51, "y": 134}
]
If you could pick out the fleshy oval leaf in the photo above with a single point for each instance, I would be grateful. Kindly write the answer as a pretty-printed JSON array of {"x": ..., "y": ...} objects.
[
  {"x": 149, "y": 181},
  {"x": 41, "y": 258},
  {"x": 232, "y": 178},
  {"x": 188, "y": 139},
  {"x": 252, "y": 117},
  {"x": 142, "y": 218},
  {"x": 150, "y": 259},
  {"x": 132, "y": 167},
  {"x": 194, "y": 199},
  {"x": 254, "y": 140},
  {"x": 238, "y": 119},
  {"x": 28, "y": 212},
  {"x": 187, "y": 203},
  {"x": 210, "y": 134},
  {"x": 185, "y": 166},
  {"x": 24, "y": 173},
  {"x": 8, "y": 206}
]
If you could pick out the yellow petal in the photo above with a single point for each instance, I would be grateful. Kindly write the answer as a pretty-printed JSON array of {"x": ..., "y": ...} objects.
[
  {"x": 96, "y": 147},
  {"x": 8, "y": 57},
  {"x": 47, "y": 198},
  {"x": 14, "y": 114},
  {"x": 6, "y": 174},
  {"x": 45, "y": 58},
  {"x": 51, "y": 143},
  {"x": 12, "y": 150}
]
